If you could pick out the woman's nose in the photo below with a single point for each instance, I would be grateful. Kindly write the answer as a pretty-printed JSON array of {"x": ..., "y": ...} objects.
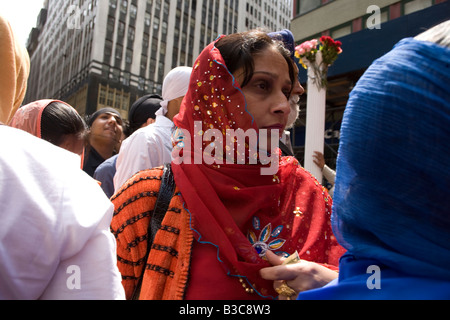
[
  {"x": 113, "y": 120},
  {"x": 298, "y": 89},
  {"x": 281, "y": 104}
]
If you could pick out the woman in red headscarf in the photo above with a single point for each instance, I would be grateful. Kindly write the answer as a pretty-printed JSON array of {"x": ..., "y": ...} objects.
[{"x": 231, "y": 207}]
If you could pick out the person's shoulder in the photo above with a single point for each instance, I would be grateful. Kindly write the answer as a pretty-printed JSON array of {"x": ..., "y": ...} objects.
[
  {"x": 294, "y": 169},
  {"x": 148, "y": 180},
  {"x": 292, "y": 165},
  {"x": 49, "y": 178},
  {"x": 146, "y": 135},
  {"x": 30, "y": 151},
  {"x": 136, "y": 197},
  {"x": 107, "y": 165}
]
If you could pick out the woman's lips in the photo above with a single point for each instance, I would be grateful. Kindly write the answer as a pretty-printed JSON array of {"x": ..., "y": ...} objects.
[
  {"x": 274, "y": 127},
  {"x": 278, "y": 127}
]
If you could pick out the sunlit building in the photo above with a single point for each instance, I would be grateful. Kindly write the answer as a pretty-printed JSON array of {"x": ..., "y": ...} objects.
[{"x": 100, "y": 53}]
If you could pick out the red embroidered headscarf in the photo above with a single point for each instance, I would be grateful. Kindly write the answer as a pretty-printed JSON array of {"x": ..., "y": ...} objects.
[{"x": 234, "y": 207}]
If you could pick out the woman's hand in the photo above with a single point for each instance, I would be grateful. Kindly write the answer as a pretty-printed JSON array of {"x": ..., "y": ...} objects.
[{"x": 301, "y": 276}]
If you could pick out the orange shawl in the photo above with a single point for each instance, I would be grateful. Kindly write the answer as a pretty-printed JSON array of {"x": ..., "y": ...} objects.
[{"x": 167, "y": 270}]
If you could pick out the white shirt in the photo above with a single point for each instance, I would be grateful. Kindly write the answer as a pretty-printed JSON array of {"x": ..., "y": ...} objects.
[
  {"x": 330, "y": 175},
  {"x": 146, "y": 148},
  {"x": 55, "y": 241}
]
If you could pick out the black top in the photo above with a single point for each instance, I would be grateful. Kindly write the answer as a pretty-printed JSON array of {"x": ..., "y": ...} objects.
[{"x": 91, "y": 161}]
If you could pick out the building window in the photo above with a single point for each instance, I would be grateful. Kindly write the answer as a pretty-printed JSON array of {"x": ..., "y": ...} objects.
[
  {"x": 147, "y": 19},
  {"x": 143, "y": 69},
  {"x": 117, "y": 100},
  {"x": 107, "y": 52},
  {"x": 416, "y": 5},
  {"x": 114, "y": 98},
  {"x": 119, "y": 52},
  {"x": 304, "y": 6},
  {"x": 130, "y": 34},
  {"x": 101, "y": 96},
  {"x": 126, "y": 79},
  {"x": 156, "y": 24},
  {"x": 110, "y": 97},
  {"x": 110, "y": 27},
  {"x": 133, "y": 11},
  {"x": 145, "y": 43},
  {"x": 129, "y": 56},
  {"x": 113, "y": 4},
  {"x": 121, "y": 30},
  {"x": 124, "y": 6}
]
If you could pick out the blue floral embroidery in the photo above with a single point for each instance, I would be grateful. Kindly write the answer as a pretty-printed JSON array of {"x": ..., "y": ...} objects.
[{"x": 261, "y": 243}]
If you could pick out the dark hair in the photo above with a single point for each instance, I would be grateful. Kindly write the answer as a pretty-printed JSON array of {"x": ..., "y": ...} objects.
[
  {"x": 238, "y": 50},
  {"x": 90, "y": 119},
  {"x": 142, "y": 109},
  {"x": 58, "y": 120}
]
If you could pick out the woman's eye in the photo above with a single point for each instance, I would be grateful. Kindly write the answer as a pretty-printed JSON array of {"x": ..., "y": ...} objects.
[{"x": 262, "y": 85}]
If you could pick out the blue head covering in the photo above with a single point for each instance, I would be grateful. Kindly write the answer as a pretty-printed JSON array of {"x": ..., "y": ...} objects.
[
  {"x": 393, "y": 177},
  {"x": 287, "y": 38}
]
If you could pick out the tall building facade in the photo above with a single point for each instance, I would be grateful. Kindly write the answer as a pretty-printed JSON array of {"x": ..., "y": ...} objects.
[
  {"x": 367, "y": 29},
  {"x": 97, "y": 53}
]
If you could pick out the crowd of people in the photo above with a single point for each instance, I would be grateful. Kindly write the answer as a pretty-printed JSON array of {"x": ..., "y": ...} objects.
[{"x": 114, "y": 208}]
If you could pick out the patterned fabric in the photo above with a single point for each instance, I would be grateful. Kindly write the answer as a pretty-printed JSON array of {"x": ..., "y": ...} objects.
[{"x": 168, "y": 263}]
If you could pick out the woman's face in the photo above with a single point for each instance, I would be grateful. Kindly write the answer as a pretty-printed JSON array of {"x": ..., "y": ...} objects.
[
  {"x": 107, "y": 126},
  {"x": 267, "y": 93}
]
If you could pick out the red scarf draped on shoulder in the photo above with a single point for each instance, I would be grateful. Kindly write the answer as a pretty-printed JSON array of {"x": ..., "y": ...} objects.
[{"x": 234, "y": 207}]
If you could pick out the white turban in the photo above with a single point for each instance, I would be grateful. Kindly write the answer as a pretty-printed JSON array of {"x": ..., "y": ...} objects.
[{"x": 175, "y": 85}]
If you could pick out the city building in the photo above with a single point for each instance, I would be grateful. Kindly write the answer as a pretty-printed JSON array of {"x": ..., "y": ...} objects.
[
  {"x": 367, "y": 29},
  {"x": 97, "y": 53}
]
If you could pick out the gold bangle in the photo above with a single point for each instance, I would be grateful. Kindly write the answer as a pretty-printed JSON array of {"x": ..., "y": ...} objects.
[{"x": 285, "y": 290}]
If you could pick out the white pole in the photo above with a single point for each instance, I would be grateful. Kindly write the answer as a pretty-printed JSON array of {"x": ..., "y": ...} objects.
[{"x": 315, "y": 118}]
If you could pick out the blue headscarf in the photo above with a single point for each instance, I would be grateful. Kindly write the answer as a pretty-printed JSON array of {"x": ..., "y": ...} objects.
[
  {"x": 287, "y": 38},
  {"x": 391, "y": 200}
]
